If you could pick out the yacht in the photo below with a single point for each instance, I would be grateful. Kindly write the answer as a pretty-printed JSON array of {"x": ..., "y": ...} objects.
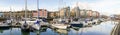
[
  {"x": 4, "y": 25},
  {"x": 25, "y": 25},
  {"x": 76, "y": 23},
  {"x": 36, "y": 24},
  {"x": 59, "y": 24}
]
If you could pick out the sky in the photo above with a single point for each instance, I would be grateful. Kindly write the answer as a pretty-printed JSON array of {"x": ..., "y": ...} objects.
[{"x": 106, "y": 7}]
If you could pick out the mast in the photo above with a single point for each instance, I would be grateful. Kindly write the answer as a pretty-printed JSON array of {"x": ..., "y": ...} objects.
[
  {"x": 59, "y": 8},
  {"x": 25, "y": 9},
  {"x": 77, "y": 10},
  {"x": 38, "y": 9},
  {"x": 65, "y": 10},
  {"x": 10, "y": 12}
]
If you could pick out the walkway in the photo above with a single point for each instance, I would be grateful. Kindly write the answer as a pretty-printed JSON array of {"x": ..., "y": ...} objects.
[{"x": 116, "y": 30}]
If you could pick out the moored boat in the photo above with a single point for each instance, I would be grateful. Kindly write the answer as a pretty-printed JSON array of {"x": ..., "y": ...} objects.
[
  {"x": 76, "y": 24},
  {"x": 25, "y": 26},
  {"x": 59, "y": 26},
  {"x": 4, "y": 25},
  {"x": 36, "y": 25}
]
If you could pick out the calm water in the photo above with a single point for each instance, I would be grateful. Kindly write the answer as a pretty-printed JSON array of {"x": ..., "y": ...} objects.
[{"x": 103, "y": 28}]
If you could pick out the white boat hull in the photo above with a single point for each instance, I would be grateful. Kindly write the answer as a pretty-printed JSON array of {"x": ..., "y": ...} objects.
[
  {"x": 28, "y": 22},
  {"x": 60, "y": 26},
  {"x": 4, "y": 25},
  {"x": 36, "y": 26}
]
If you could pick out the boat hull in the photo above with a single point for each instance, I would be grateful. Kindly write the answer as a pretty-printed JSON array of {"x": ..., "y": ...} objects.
[
  {"x": 36, "y": 27},
  {"x": 76, "y": 25},
  {"x": 59, "y": 26},
  {"x": 25, "y": 27},
  {"x": 4, "y": 25}
]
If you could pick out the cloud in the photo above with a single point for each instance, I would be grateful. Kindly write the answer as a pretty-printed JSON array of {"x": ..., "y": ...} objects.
[
  {"x": 106, "y": 7},
  {"x": 13, "y": 7},
  {"x": 104, "y": 3}
]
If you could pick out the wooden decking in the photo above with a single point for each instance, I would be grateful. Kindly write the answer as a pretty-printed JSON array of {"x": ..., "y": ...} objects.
[{"x": 116, "y": 29}]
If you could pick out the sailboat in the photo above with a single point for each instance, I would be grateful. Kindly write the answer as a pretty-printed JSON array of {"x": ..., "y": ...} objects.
[
  {"x": 37, "y": 25},
  {"x": 6, "y": 23},
  {"x": 9, "y": 20},
  {"x": 76, "y": 23},
  {"x": 61, "y": 23},
  {"x": 25, "y": 25},
  {"x": 59, "y": 26}
]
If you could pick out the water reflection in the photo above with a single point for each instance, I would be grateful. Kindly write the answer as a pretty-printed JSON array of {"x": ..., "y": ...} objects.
[
  {"x": 3, "y": 29},
  {"x": 61, "y": 31},
  {"x": 25, "y": 32},
  {"x": 103, "y": 28},
  {"x": 34, "y": 32}
]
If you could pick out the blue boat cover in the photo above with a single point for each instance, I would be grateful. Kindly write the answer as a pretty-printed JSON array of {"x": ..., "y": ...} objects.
[
  {"x": 37, "y": 22},
  {"x": 44, "y": 20}
]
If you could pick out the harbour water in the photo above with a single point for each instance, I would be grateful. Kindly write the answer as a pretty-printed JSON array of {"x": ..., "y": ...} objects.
[{"x": 104, "y": 28}]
